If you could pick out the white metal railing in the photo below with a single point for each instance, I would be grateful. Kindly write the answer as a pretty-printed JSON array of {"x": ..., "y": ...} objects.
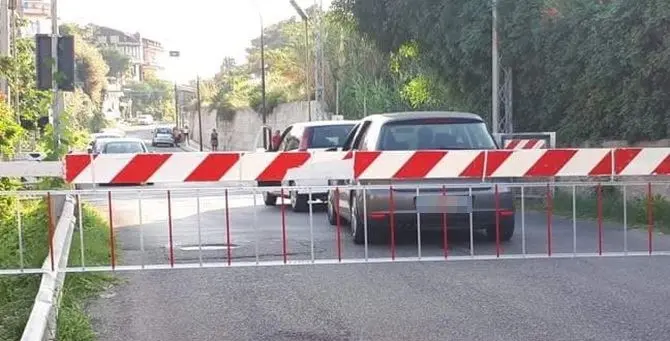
[
  {"x": 41, "y": 324},
  {"x": 537, "y": 244}
]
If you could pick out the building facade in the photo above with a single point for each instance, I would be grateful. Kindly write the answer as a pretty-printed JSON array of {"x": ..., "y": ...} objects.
[
  {"x": 153, "y": 54},
  {"x": 37, "y": 13},
  {"x": 145, "y": 54}
]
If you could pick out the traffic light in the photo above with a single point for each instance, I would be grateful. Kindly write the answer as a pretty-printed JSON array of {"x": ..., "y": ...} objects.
[
  {"x": 44, "y": 62},
  {"x": 66, "y": 63}
]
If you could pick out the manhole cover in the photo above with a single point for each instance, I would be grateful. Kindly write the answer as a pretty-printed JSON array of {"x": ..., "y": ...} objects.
[{"x": 207, "y": 247}]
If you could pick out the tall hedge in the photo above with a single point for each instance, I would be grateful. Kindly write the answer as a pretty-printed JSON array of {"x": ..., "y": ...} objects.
[{"x": 588, "y": 69}]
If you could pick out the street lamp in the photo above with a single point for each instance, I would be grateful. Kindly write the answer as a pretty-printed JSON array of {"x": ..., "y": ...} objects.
[{"x": 305, "y": 19}]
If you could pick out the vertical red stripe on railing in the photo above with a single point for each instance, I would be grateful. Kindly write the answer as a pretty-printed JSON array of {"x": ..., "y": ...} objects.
[
  {"x": 445, "y": 241},
  {"x": 283, "y": 225},
  {"x": 229, "y": 251},
  {"x": 650, "y": 217},
  {"x": 50, "y": 226},
  {"x": 392, "y": 221},
  {"x": 599, "y": 209},
  {"x": 169, "y": 202},
  {"x": 337, "y": 224},
  {"x": 550, "y": 208},
  {"x": 497, "y": 213},
  {"x": 111, "y": 230}
]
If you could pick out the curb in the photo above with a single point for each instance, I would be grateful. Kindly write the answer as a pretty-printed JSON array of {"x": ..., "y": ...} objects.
[
  {"x": 193, "y": 146},
  {"x": 41, "y": 324}
]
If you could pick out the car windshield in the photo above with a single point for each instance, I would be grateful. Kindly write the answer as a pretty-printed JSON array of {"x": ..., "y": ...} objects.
[
  {"x": 123, "y": 148},
  {"x": 163, "y": 131},
  {"x": 441, "y": 134},
  {"x": 329, "y": 136}
]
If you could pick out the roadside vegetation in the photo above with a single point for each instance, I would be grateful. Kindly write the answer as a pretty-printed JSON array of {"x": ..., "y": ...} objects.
[
  {"x": 17, "y": 293},
  {"x": 82, "y": 116},
  {"x": 612, "y": 206},
  {"x": 588, "y": 69}
]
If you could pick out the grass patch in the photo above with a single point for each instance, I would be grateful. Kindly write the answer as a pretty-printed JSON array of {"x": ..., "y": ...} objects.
[
  {"x": 17, "y": 293},
  {"x": 612, "y": 207},
  {"x": 73, "y": 323}
]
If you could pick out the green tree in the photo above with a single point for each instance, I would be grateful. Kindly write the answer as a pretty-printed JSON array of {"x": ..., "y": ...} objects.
[
  {"x": 19, "y": 70},
  {"x": 587, "y": 69},
  {"x": 119, "y": 64},
  {"x": 152, "y": 97}
]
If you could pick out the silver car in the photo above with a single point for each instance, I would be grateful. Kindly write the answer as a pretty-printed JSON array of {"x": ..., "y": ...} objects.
[
  {"x": 163, "y": 136},
  {"x": 455, "y": 197}
]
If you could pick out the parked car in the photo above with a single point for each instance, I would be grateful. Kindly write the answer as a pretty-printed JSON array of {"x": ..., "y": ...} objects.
[
  {"x": 316, "y": 136},
  {"x": 163, "y": 136},
  {"x": 145, "y": 120},
  {"x": 99, "y": 136},
  {"x": 124, "y": 145},
  {"x": 422, "y": 131}
]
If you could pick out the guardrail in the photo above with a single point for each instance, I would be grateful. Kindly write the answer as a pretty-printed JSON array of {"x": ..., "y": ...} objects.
[{"x": 42, "y": 321}]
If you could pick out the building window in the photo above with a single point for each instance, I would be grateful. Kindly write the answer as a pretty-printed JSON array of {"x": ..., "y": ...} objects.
[{"x": 114, "y": 39}]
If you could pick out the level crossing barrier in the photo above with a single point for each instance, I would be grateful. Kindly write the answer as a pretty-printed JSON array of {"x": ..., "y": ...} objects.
[
  {"x": 540, "y": 140},
  {"x": 486, "y": 164}
]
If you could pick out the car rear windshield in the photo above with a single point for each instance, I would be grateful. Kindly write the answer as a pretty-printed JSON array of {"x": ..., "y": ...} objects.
[
  {"x": 163, "y": 131},
  {"x": 440, "y": 134},
  {"x": 123, "y": 148},
  {"x": 328, "y": 136}
]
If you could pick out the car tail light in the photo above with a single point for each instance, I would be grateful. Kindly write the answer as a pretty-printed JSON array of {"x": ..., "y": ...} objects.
[{"x": 304, "y": 142}]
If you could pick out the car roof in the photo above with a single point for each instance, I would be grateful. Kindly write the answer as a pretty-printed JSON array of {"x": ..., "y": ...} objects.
[
  {"x": 100, "y": 135},
  {"x": 324, "y": 123},
  {"x": 408, "y": 115},
  {"x": 122, "y": 140}
]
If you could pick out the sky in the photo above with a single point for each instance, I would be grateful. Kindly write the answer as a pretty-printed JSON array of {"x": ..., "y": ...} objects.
[{"x": 204, "y": 31}]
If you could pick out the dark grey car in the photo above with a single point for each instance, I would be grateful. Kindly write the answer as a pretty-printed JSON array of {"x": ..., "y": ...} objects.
[{"x": 458, "y": 198}]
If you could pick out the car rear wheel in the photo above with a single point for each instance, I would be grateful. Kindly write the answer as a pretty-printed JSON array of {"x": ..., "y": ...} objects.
[
  {"x": 330, "y": 210},
  {"x": 269, "y": 199},
  {"x": 376, "y": 235},
  {"x": 298, "y": 201},
  {"x": 357, "y": 224},
  {"x": 505, "y": 233}
]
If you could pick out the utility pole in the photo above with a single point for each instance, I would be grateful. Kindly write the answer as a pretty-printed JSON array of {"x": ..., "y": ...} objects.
[
  {"x": 308, "y": 88},
  {"x": 4, "y": 42},
  {"x": 495, "y": 102},
  {"x": 264, "y": 113},
  {"x": 318, "y": 60},
  {"x": 176, "y": 105},
  {"x": 175, "y": 55},
  {"x": 197, "y": 91},
  {"x": 54, "y": 55}
]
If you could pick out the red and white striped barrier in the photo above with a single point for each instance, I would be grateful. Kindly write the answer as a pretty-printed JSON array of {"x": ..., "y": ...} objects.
[
  {"x": 187, "y": 167},
  {"x": 207, "y": 167},
  {"x": 525, "y": 144},
  {"x": 512, "y": 163}
]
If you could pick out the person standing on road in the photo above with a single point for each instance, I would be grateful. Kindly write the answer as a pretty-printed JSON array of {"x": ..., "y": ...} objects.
[
  {"x": 186, "y": 134},
  {"x": 214, "y": 139},
  {"x": 177, "y": 135},
  {"x": 276, "y": 140}
]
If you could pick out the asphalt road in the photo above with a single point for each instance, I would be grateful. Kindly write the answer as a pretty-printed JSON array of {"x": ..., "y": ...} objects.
[{"x": 544, "y": 299}]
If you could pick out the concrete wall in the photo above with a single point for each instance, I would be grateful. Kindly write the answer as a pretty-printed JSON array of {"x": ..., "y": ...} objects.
[{"x": 239, "y": 134}]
